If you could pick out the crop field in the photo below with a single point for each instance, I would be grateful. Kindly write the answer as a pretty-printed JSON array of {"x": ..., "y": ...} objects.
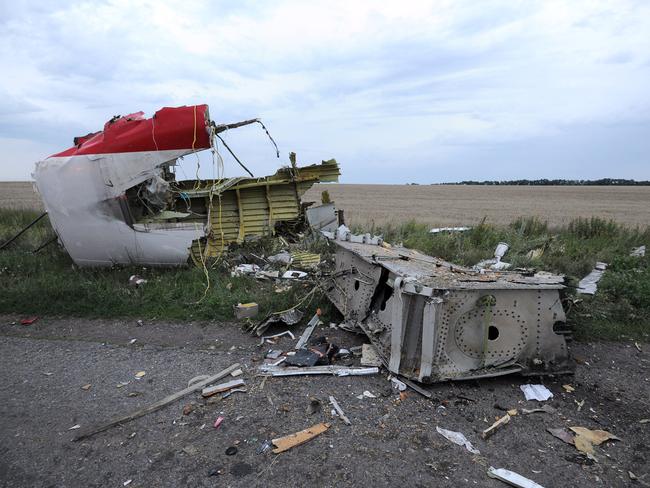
[
  {"x": 449, "y": 205},
  {"x": 453, "y": 205}
]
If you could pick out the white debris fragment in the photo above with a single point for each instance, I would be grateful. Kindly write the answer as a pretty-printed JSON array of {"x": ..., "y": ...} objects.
[
  {"x": 366, "y": 394},
  {"x": 293, "y": 274},
  {"x": 282, "y": 257},
  {"x": 457, "y": 438},
  {"x": 638, "y": 252},
  {"x": 437, "y": 230},
  {"x": 589, "y": 283},
  {"x": 512, "y": 478},
  {"x": 400, "y": 385},
  {"x": 244, "y": 269},
  {"x": 495, "y": 263},
  {"x": 127, "y": 482},
  {"x": 536, "y": 392},
  {"x": 75, "y": 427}
]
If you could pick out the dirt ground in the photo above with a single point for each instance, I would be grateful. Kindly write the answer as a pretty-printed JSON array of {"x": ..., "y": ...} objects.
[{"x": 390, "y": 442}]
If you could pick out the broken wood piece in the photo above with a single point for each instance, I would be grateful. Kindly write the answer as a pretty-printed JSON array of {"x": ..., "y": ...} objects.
[
  {"x": 339, "y": 411},
  {"x": 220, "y": 388},
  {"x": 292, "y": 440},
  {"x": 495, "y": 426},
  {"x": 271, "y": 370},
  {"x": 308, "y": 331},
  {"x": 154, "y": 406}
]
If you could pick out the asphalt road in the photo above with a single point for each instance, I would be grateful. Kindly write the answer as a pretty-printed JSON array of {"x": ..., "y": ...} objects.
[{"x": 391, "y": 441}]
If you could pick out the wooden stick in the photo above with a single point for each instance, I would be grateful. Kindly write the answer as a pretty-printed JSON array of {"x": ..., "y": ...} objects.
[{"x": 154, "y": 406}]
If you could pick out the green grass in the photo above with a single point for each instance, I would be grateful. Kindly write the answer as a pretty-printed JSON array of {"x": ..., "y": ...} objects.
[
  {"x": 621, "y": 307},
  {"x": 49, "y": 284}
]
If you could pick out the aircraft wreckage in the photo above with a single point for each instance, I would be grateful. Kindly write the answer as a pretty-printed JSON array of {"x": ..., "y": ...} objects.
[
  {"x": 113, "y": 198},
  {"x": 431, "y": 320}
]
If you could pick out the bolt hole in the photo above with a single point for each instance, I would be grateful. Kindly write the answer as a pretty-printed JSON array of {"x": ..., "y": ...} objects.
[
  {"x": 356, "y": 284},
  {"x": 493, "y": 333}
]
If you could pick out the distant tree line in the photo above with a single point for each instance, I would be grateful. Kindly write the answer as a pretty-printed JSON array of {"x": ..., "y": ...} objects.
[{"x": 546, "y": 182}]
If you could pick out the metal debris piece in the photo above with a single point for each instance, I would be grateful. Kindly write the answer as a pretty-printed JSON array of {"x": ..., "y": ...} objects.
[
  {"x": 339, "y": 411},
  {"x": 536, "y": 392},
  {"x": 246, "y": 310},
  {"x": 244, "y": 269},
  {"x": 369, "y": 356},
  {"x": 512, "y": 478},
  {"x": 155, "y": 406},
  {"x": 333, "y": 370},
  {"x": 293, "y": 274},
  {"x": 285, "y": 443},
  {"x": 431, "y": 320},
  {"x": 220, "y": 388},
  {"x": 561, "y": 434},
  {"x": 495, "y": 426},
  {"x": 495, "y": 263},
  {"x": 136, "y": 281},
  {"x": 275, "y": 336},
  {"x": 638, "y": 252},
  {"x": 457, "y": 438},
  {"x": 305, "y": 260},
  {"x": 289, "y": 317},
  {"x": 308, "y": 331},
  {"x": 542, "y": 409},
  {"x": 397, "y": 384},
  {"x": 589, "y": 284},
  {"x": 283, "y": 257},
  {"x": 437, "y": 230}
]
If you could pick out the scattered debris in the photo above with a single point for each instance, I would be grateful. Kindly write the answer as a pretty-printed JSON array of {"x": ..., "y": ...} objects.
[
  {"x": 457, "y": 438},
  {"x": 308, "y": 331},
  {"x": 339, "y": 411},
  {"x": 536, "y": 392},
  {"x": 314, "y": 406},
  {"x": 293, "y": 274},
  {"x": 638, "y": 252},
  {"x": 568, "y": 388},
  {"x": 495, "y": 263},
  {"x": 246, "y": 310},
  {"x": 231, "y": 451},
  {"x": 220, "y": 388},
  {"x": 495, "y": 426},
  {"x": 288, "y": 317},
  {"x": 237, "y": 372},
  {"x": 188, "y": 409},
  {"x": 275, "y": 336},
  {"x": 265, "y": 446},
  {"x": 595, "y": 437},
  {"x": 196, "y": 379},
  {"x": 399, "y": 385},
  {"x": 589, "y": 284},
  {"x": 215, "y": 472},
  {"x": 86, "y": 387},
  {"x": 28, "y": 321},
  {"x": 282, "y": 257},
  {"x": 244, "y": 269},
  {"x": 437, "y": 230},
  {"x": 366, "y": 394},
  {"x": 136, "y": 281},
  {"x": 234, "y": 390},
  {"x": 156, "y": 405},
  {"x": 535, "y": 253},
  {"x": 305, "y": 260},
  {"x": 140, "y": 374},
  {"x": 218, "y": 422},
  {"x": 542, "y": 409},
  {"x": 638, "y": 348},
  {"x": 270, "y": 370},
  {"x": 417, "y": 388},
  {"x": 369, "y": 356},
  {"x": 75, "y": 427},
  {"x": 127, "y": 482},
  {"x": 285, "y": 443},
  {"x": 512, "y": 478}
]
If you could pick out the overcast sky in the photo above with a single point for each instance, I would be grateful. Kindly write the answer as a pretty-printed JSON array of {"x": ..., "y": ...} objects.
[{"x": 395, "y": 91}]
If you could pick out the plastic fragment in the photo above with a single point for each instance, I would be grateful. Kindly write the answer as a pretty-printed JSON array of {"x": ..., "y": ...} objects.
[
  {"x": 457, "y": 438},
  {"x": 536, "y": 392}
]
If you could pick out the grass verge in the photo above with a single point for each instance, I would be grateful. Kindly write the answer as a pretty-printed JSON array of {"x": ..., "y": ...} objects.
[{"x": 48, "y": 283}]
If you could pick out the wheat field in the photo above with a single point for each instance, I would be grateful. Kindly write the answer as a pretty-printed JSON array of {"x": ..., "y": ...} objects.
[{"x": 449, "y": 205}]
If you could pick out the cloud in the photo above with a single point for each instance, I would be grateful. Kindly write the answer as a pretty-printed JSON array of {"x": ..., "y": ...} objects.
[{"x": 418, "y": 86}]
